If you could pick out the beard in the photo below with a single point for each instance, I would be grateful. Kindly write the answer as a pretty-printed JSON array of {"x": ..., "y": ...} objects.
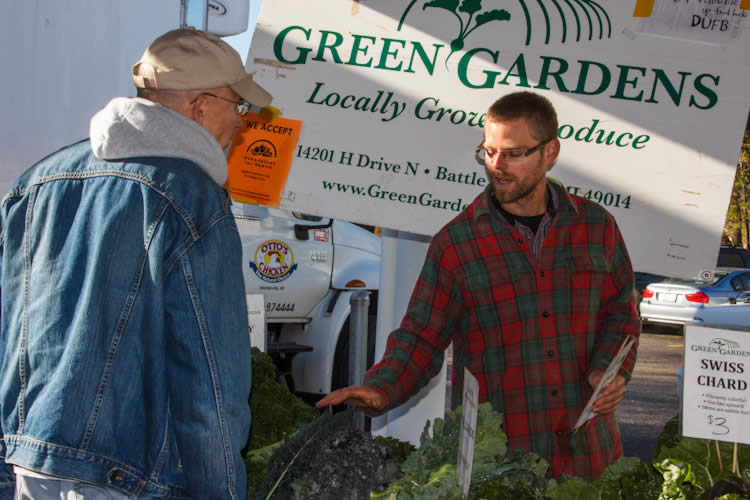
[{"x": 509, "y": 189}]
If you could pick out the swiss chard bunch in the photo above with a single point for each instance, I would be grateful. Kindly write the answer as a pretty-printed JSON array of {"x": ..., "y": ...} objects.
[
  {"x": 701, "y": 468},
  {"x": 431, "y": 470},
  {"x": 627, "y": 478}
]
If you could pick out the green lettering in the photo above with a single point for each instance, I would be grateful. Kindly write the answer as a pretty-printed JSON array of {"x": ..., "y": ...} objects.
[
  {"x": 583, "y": 78},
  {"x": 356, "y": 49},
  {"x": 338, "y": 40},
  {"x": 562, "y": 68},
  {"x": 640, "y": 139},
  {"x": 622, "y": 136},
  {"x": 707, "y": 92},
  {"x": 418, "y": 49},
  {"x": 278, "y": 44},
  {"x": 624, "y": 81},
  {"x": 463, "y": 66},
  {"x": 523, "y": 80},
  {"x": 387, "y": 52},
  {"x": 661, "y": 76}
]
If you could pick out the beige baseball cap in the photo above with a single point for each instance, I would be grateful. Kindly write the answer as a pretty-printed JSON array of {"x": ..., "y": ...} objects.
[{"x": 189, "y": 59}]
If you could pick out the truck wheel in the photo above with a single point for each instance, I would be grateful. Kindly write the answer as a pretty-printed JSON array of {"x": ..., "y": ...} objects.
[{"x": 340, "y": 376}]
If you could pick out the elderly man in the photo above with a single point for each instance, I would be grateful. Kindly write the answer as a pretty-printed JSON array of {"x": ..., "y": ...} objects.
[
  {"x": 534, "y": 287},
  {"x": 124, "y": 349}
]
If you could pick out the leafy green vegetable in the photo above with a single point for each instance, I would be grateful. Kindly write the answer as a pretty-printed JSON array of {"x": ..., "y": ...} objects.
[
  {"x": 399, "y": 449},
  {"x": 627, "y": 478},
  {"x": 328, "y": 459},
  {"x": 704, "y": 463},
  {"x": 431, "y": 470},
  {"x": 679, "y": 480},
  {"x": 670, "y": 436},
  {"x": 731, "y": 488},
  {"x": 276, "y": 414}
]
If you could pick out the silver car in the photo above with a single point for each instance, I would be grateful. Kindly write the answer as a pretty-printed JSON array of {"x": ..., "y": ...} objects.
[{"x": 678, "y": 301}]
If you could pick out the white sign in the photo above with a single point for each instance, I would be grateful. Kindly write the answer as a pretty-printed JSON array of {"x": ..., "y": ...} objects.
[
  {"x": 608, "y": 376},
  {"x": 468, "y": 430},
  {"x": 719, "y": 22},
  {"x": 392, "y": 96},
  {"x": 716, "y": 398},
  {"x": 256, "y": 319}
]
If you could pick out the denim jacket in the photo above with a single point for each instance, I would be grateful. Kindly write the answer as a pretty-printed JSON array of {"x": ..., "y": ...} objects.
[{"x": 124, "y": 349}]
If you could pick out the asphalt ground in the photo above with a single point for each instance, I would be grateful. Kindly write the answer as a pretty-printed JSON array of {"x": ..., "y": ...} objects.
[{"x": 651, "y": 398}]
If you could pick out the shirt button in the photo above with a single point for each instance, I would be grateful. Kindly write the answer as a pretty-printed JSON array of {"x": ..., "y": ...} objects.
[
  {"x": 551, "y": 353},
  {"x": 560, "y": 433},
  {"x": 554, "y": 392},
  {"x": 541, "y": 274},
  {"x": 520, "y": 241},
  {"x": 545, "y": 314}
]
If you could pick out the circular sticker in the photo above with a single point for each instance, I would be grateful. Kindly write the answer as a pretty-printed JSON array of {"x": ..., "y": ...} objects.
[{"x": 274, "y": 261}]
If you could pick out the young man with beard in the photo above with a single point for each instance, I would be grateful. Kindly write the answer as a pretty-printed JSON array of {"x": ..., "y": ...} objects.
[{"x": 534, "y": 287}]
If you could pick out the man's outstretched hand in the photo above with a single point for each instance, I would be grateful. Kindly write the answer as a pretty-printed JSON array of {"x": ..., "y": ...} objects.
[
  {"x": 611, "y": 396},
  {"x": 361, "y": 396}
]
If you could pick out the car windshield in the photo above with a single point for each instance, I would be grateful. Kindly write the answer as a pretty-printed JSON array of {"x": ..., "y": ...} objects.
[{"x": 718, "y": 276}]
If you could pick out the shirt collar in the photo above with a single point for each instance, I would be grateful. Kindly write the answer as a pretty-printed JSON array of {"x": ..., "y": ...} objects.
[{"x": 561, "y": 200}]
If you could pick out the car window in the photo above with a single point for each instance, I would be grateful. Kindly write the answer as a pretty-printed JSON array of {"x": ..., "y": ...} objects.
[
  {"x": 731, "y": 260},
  {"x": 308, "y": 217},
  {"x": 736, "y": 284},
  {"x": 745, "y": 277},
  {"x": 717, "y": 277}
]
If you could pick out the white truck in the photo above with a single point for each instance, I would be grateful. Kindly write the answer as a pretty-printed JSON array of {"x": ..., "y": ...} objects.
[
  {"x": 71, "y": 57},
  {"x": 306, "y": 268}
]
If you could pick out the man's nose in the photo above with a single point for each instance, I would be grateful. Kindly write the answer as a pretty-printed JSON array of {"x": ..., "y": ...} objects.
[{"x": 494, "y": 162}]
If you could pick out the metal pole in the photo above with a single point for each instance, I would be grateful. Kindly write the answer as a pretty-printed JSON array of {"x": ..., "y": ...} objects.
[
  {"x": 360, "y": 303},
  {"x": 183, "y": 14},
  {"x": 205, "y": 16}
]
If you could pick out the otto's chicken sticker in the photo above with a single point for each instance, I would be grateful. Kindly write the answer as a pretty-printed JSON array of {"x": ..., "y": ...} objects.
[{"x": 274, "y": 261}]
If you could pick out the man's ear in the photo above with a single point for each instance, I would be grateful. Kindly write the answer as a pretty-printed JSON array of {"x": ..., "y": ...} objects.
[
  {"x": 197, "y": 109},
  {"x": 551, "y": 151}
]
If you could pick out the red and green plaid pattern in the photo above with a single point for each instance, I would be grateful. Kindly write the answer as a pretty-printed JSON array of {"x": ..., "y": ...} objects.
[{"x": 528, "y": 329}]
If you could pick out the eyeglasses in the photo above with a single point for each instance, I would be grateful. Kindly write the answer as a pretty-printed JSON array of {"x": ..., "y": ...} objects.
[
  {"x": 509, "y": 155},
  {"x": 242, "y": 107}
]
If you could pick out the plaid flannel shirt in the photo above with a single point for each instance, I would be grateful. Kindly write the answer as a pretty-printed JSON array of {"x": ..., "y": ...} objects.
[{"x": 529, "y": 329}]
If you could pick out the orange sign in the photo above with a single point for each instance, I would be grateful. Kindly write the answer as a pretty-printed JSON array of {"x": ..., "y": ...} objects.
[{"x": 260, "y": 158}]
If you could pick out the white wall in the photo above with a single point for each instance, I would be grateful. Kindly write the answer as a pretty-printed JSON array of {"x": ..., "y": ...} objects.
[{"x": 63, "y": 61}]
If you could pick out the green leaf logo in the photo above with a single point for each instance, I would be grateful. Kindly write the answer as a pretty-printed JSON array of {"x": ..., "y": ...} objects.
[{"x": 585, "y": 19}]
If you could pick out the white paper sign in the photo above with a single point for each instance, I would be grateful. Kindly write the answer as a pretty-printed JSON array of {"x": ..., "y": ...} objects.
[
  {"x": 716, "y": 398},
  {"x": 256, "y": 319},
  {"x": 720, "y": 22},
  {"x": 609, "y": 374},
  {"x": 468, "y": 430}
]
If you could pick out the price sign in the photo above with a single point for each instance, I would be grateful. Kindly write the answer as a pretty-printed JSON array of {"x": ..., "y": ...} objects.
[
  {"x": 716, "y": 394},
  {"x": 256, "y": 319},
  {"x": 468, "y": 430}
]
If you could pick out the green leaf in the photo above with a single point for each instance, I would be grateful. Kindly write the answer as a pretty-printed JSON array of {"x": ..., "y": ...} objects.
[
  {"x": 430, "y": 471},
  {"x": 493, "y": 15},
  {"x": 573, "y": 489},
  {"x": 451, "y": 5},
  {"x": 471, "y": 6},
  {"x": 700, "y": 454}
]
